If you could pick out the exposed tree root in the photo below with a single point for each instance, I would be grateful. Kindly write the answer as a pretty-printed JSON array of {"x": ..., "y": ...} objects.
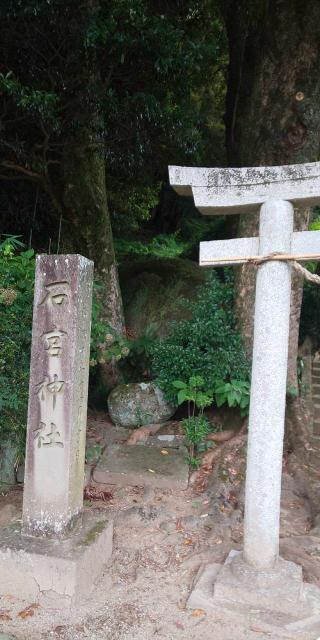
[{"x": 199, "y": 479}]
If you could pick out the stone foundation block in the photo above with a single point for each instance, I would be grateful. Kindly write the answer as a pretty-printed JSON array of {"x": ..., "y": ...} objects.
[
  {"x": 278, "y": 600},
  {"x": 278, "y": 589},
  {"x": 59, "y": 572}
]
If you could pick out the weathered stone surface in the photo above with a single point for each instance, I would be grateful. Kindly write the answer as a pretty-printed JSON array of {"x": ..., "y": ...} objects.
[
  {"x": 304, "y": 244},
  {"x": 282, "y": 616},
  {"x": 8, "y": 457},
  {"x": 268, "y": 389},
  {"x": 260, "y": 578},
  {"x": 137, "y": 465},
  {"x": 52, "y": 571},
  {"x": 218, "y": 191},
  {"x": 137, "y": 404},
  {"x": 54, "y": 469}
]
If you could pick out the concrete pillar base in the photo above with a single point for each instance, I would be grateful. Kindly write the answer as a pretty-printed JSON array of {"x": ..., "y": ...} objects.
[
  {"x": 276, "y": 599},
  {"x": 58, "y": 572}
]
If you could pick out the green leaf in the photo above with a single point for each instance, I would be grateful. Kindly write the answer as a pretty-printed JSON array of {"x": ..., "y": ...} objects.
[
  {"x": 220, "y": 399},
  {"x": 182, "y": 396},
  {"x": 178, "y": 384},
  {"x": 196, "y": 381}
]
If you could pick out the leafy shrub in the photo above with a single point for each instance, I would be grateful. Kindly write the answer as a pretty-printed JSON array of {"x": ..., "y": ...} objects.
[
  {"x": 196, "y": 427},
  {"x": 208, "y": 345},
  {"x": 16, "y": 302},
  {"x": 161, "y": 246}
]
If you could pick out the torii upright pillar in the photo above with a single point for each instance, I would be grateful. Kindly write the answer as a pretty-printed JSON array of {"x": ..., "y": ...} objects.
[{"x": 273, "y": 190}]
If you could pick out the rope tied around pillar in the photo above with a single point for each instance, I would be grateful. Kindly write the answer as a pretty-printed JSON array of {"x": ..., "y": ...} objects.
[{"x": 284, "y": 257}]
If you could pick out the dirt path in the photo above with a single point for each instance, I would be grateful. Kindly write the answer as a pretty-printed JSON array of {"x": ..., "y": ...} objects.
[{"x": 161, "y": 539}]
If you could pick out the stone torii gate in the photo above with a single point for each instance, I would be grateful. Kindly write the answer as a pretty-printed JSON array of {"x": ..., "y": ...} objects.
[{"x": 259, "y": 576}]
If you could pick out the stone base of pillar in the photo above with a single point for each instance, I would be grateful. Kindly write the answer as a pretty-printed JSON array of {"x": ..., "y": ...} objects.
[
  {"x": 55, "y": 572},
  {"x": 276, "y": 599}
]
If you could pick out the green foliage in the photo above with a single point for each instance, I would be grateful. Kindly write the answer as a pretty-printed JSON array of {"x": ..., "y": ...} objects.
[
  {"x": 196, "y": 427},
  {"x": 161, "y": 246},
  {"x": 105, "y": 343},
  {"x": 145, "y": 79},
  {"x": 234, "y": 393},
  {"x": 207, "y": 345},
  {"x": 26, "y": 98},
  {"x": 315, "y": 220},
  {"x": 16, "y": 302},
  {"x": 193, "y": 393}
]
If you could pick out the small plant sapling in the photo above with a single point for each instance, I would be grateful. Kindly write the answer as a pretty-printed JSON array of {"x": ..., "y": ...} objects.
[{"x": 196, "y": 425}]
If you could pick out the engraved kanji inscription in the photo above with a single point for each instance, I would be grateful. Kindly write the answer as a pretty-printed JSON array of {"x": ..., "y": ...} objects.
[
  {"x": 51, "y": 439},
  {"x": 54, "y": 387},
  {"x": 56, "y": 293},
  {"x": 53, "y": 341}
]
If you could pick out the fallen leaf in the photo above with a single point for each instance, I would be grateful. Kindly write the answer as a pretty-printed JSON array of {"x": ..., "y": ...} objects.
[
  {"x": 187, "y": 541},
  {"x": 164, "y": 452},
  {"x": 28, "y": 612},
  {"x": 196, "y": 613},
  {"x": 4, "y": 614}
]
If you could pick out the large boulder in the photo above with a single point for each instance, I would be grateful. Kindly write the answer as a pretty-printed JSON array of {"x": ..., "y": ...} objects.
[
  {"x": 156, "y": 291},
  {"x": 137, "y": 404}
]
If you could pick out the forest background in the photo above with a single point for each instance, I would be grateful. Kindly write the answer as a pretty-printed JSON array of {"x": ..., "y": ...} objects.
[{"x": 96, "y": 99}]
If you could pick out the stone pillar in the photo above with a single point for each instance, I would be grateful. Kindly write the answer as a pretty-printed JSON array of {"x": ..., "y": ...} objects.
[
  {"x": 55, "y": 450},
  {"x": 268, "y": 389}
]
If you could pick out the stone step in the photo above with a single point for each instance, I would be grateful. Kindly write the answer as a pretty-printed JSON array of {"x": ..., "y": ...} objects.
[{"x": 126, "y": 465}]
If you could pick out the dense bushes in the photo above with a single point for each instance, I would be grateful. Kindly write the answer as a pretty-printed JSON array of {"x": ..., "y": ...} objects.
[
  {"x": 208, "y": 345},
  {"x": 16, "y": 301}
]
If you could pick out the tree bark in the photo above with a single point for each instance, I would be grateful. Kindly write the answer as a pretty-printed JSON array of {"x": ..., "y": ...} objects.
[
  {"x": 272, "y": 114},
  {"x": 85, "y": 202}
]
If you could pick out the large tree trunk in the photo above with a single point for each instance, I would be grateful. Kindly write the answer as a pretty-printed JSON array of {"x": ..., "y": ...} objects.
[
  {"x": 85, "y": 201},
  {"x": 273, "y": 117}
]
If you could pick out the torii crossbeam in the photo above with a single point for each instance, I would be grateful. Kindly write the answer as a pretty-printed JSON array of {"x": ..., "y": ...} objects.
[{"x": 273, "y": 191}]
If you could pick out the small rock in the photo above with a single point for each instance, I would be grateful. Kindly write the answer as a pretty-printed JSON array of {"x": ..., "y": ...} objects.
[
  {"x": 138, "y": 404},
  {"x": 8, "y": 513}
]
